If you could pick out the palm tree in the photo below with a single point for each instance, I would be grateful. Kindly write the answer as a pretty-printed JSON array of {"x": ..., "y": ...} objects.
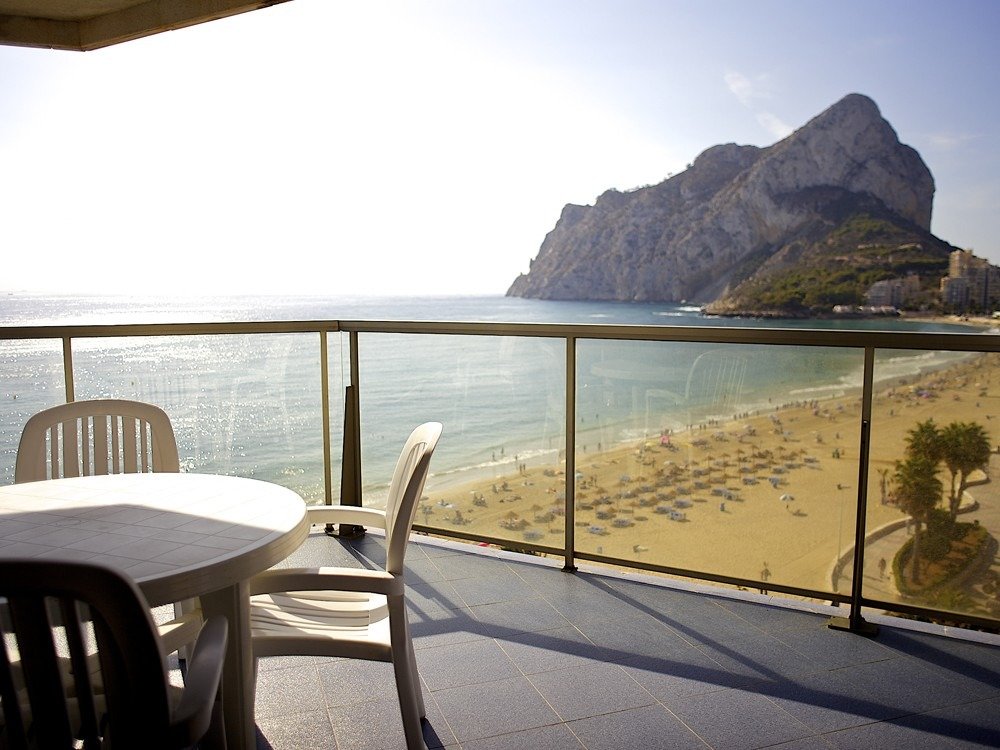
[
  {"x": 965, "y": 447},
  {"x": 918, "y": 491},
  {"x": 924, "y": 440}
]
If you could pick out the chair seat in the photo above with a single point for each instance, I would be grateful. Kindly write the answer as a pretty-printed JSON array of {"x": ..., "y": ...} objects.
[{"x": 321, "y": 623}]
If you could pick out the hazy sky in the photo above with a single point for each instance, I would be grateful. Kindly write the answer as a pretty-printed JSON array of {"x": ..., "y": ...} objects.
[{"x": 427, "y": 146}]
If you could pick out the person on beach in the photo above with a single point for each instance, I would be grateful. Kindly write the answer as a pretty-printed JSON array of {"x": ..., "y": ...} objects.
[{"x": 765, "y": 575}]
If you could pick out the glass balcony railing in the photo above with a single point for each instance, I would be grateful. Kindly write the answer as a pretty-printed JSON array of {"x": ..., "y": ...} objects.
[
  {"x": 740, "y": 461},
  {"x": 844, "y": 466}
]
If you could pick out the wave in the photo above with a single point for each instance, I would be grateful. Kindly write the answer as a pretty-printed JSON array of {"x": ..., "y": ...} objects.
[
  {"x": 522, "y": 456},
  {"x": 833, "y": 390},
  {"x": 682, "y": 311}
]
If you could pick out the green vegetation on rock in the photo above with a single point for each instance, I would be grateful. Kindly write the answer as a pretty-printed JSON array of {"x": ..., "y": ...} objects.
[{"x": 835, "y": 262}]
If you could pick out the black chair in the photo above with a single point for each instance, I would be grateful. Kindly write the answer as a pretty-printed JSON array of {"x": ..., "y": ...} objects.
[{"x": 83, "y": 664}]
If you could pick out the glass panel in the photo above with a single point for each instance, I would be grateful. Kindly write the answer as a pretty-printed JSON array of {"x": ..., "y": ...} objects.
[
  {"x": 735, "y": 460},
  {"x": 32, "y": 380},
  {"x": 933, "y": 513},
  {"x": 243, "y": 405},
  {"x": 502, "y": 403}
]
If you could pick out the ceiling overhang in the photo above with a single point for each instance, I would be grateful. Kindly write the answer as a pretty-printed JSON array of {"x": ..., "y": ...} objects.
[{"x": 92, "y": 24}]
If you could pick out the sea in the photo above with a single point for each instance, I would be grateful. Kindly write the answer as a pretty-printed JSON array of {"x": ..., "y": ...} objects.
[{"x": 251, "y": 405}]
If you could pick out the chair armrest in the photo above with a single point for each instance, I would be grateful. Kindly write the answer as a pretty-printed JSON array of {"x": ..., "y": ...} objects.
[
  {"x": 180, "y": 631},
  {"x": 346, "y": 514},
  {"x": 193, "y": 715},
  {"x": 327, "y": 579}
]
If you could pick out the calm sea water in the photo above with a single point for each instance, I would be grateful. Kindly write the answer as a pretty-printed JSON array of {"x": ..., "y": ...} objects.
[{"x": 251, "y": 405}]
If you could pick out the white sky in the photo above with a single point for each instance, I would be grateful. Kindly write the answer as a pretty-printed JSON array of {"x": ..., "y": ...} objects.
[{"x": 427, "y": 146}]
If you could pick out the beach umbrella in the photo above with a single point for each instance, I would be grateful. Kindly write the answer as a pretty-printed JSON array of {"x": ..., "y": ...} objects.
[{"x": 786, "y": 498}]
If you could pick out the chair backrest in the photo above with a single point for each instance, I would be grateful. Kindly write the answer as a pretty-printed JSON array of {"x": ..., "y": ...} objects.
[
  {"x": 405, "y": 489},
  {"x": 102, "y": 436},
  {"x": 52, "y": 608}
]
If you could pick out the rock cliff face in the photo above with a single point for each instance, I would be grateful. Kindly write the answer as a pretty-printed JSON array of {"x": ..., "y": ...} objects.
[{"x": 691, "y": 236}]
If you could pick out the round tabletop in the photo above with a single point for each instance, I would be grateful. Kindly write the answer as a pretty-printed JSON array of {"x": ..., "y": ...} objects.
[{"x": 177, "y": 535}]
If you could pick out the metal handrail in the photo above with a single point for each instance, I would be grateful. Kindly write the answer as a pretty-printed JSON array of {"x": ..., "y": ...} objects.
[{"x": 958, "y": 341}]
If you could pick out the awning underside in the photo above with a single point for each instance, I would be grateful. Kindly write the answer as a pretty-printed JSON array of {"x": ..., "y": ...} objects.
[{"x": 92, "y": 24}]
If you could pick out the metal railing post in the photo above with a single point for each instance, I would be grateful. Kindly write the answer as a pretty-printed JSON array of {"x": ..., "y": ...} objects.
[
  {"x": 854, "y": 622},
  {"x": 570, "y": 516},
  {"x": 324, "y": 388},
  {"x": 67, "y": 346},
  {"x": 350, "y": 467}
]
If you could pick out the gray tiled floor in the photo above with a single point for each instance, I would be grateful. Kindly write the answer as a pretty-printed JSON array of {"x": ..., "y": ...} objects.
[{"x": 515, "y": 655}]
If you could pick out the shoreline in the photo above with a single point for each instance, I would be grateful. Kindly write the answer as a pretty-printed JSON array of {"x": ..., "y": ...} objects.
[
  {"x": 776, "y": 489},
  {"x": 975, "y": 321},
  {"x": 970, "y": 321}
]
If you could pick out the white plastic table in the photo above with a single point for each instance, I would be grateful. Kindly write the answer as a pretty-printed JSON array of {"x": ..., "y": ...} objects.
[{"x": 179, "y": 536}]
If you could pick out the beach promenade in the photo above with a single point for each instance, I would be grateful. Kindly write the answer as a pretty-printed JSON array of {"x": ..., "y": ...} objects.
[{"x": 987, "y": 512}]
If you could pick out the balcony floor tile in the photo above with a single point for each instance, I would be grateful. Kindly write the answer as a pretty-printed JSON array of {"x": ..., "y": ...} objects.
[
  {"x": 592, "y": 690},
  {"x": 738, "y": 719},
  {"x": 493, "y": 708},
  {"x": 514, "y": 653},
  {"x": 554, "y": 737},
  {"x": 650, "y": 727}
]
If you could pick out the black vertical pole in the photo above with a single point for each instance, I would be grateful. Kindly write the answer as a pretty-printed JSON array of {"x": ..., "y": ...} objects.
[
  {"x": 350, "y": 467},
  {"x": 854, "y": 622},
  {"x": 569, "y": 564}
]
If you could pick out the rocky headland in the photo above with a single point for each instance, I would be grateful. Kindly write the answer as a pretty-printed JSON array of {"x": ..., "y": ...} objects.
[{"x": 792, "y": 229}]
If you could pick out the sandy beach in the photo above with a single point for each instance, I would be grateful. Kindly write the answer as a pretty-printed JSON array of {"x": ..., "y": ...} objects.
[{"x": 769, "y": 495}]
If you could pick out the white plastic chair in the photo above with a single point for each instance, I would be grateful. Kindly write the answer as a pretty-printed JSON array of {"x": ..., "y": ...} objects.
[
  {"x": 106, "y": 436},
  {"x": 111, "y": 690},
  {"x": 101, "y": 436},
  {"x": 349, "y": 612}
]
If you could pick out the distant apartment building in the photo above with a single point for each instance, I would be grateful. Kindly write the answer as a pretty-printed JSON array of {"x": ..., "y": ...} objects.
[
  {"x": 971, "y": 284},
  {"x": 893, "y": 292},
  {"x": 955, "y": 293}
]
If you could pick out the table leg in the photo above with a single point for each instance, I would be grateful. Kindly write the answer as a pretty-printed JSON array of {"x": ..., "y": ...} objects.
[{"x": 238, "y": 672}]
